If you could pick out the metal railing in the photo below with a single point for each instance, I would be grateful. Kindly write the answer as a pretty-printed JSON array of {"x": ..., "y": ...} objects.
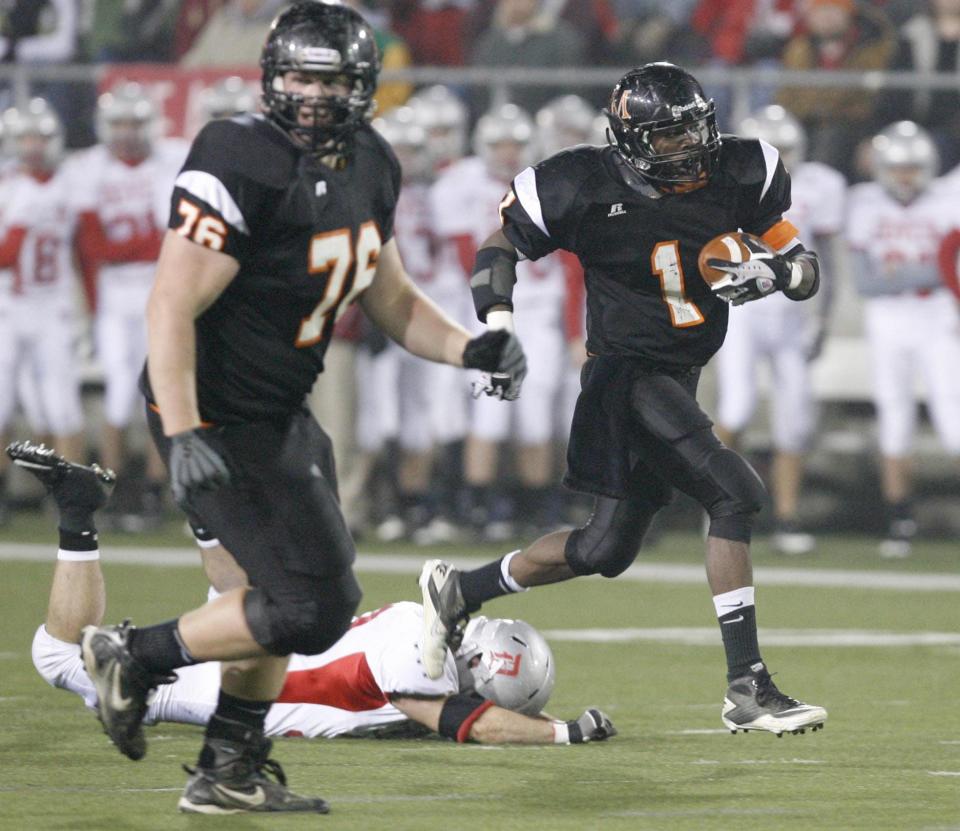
[{"x": 499, "y": 81}]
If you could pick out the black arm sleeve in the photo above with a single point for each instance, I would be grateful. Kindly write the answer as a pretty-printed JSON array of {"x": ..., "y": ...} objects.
[{"x": 459, "y": 713}]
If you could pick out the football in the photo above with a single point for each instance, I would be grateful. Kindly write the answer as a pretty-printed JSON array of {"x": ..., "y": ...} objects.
[{"x": 735, "y": 246}]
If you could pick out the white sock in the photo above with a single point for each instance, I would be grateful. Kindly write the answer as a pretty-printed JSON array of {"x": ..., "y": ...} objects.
[
  {"x": 731, "y": 601},
  {"x": 78, "y": 556}
]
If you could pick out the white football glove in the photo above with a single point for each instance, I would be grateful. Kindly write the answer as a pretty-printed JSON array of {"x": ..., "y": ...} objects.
[
  {"x": 498, "y": 385},
  {"x": 761, "y": 275}
]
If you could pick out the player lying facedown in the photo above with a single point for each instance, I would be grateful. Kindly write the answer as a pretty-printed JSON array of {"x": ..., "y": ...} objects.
[{"x": 371, "y": 681}]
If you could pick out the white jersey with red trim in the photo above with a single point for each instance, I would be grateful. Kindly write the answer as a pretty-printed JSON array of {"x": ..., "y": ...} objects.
[
  {"x": 343, "y": 691},
  {"x": 414, "y": 235},
  {"x": 44, "y": 267},
  {"x": 896, "y": 245},
  {"x": 129, "y": 200},
  {"x": 464, "y": 204}
]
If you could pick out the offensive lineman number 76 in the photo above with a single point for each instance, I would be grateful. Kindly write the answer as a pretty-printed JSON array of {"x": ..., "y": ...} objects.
[{"x": 330, "y": 253}]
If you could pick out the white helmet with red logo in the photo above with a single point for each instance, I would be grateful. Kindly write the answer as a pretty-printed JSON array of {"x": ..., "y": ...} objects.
[{"x": 509, "y": 662}]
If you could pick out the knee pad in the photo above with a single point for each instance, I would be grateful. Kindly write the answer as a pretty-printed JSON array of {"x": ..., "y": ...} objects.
[
  {"x": 609, "y": 541},
  {"x": 308, "y": 622},
  {"x": 742, "y": 489}
]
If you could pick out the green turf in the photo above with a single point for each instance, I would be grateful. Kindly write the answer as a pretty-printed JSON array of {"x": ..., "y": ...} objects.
[{"x": 894, "y": 721}]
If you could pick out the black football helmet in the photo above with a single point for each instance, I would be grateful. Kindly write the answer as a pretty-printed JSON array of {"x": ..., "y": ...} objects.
[
  {"x": 664, "y": 126},
  {"x": 332, "y": 40}
]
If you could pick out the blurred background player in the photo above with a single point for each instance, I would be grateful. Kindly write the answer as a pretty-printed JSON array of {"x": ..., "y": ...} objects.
[
  {"x": 564, "y": 122},
  {"x": 394, "y": 388},
  {"x": 895, "y": 227},
  {"x": 39, "y": 306},
  {"x": 124, "y": 188},
  {"x": 464, "y": 202},
  {"x": 228, "y": 97},
  {"x": 444, "y": 117},
  {"x": 785, "y": 335}
]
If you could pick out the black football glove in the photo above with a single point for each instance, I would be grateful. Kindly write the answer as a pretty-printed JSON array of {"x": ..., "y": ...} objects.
[
  {"x": 500, "y": 357},
  {"x": 195, "y": 464},
  {"x": 761, "y": 275},
  {"x": 592, "y": 726}
]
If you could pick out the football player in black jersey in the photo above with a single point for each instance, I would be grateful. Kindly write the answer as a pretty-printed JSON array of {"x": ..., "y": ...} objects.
[
  {"x": 277, "y": 223},
  {"x": 637, "y": 213}
]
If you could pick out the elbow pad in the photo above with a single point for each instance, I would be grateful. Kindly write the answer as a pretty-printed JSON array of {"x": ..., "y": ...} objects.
[
  {"x": 494, "y": 273},
  {"x": 808, "y": 265}
]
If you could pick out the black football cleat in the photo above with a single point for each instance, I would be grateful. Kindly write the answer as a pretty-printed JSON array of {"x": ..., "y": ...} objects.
[
  {"x": 74, "y": 487},
  {"x": 236, "y": 782},
  {"x": 124, "y": 686}
]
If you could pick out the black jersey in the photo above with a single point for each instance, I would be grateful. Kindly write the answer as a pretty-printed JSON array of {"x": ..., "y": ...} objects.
[
  {"x": 307, "y": 239},
  {"x": 645, "y": 295}
]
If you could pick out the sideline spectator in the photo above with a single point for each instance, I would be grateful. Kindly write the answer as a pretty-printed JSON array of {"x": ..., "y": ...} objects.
[
  {"x": 930, "y": 42},
  {"x": 233, "y": 35},
  {"x": 433, "y": 29},
  {"x": 124, "y": 31},
  {"x": 524, "y": 34},
  {"x": 192, "y": 17},
  {"x": 839, "y": 35},
  {"x": 48, "y": 32}
]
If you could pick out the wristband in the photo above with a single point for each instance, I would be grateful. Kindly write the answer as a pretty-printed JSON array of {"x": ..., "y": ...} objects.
[
  {"x": 500, "y": 319},
  {"x": 567, "y": 732},
  {"x": 796, "y": 276}
]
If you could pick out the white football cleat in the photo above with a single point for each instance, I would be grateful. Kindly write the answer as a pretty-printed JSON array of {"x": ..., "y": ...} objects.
[
  {"x": 444, "y": 614},
  {"x": 753, "y": 702}
]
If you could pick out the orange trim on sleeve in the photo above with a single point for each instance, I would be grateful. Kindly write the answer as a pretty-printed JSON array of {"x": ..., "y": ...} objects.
[
  {"x": 780, "y": 234},
  {"x": 464, "y": 732}
]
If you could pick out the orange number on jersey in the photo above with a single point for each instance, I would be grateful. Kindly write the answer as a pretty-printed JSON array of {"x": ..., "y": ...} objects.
[
  {"x": 665, "y": 262},
  {"x": 332, "y": 253},
  {"x": 209, "y": 232}
]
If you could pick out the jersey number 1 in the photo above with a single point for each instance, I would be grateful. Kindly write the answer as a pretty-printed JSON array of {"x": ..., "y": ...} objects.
[
  {"x": 665, "y": 262},
  {"x": 332, "y": 253}
]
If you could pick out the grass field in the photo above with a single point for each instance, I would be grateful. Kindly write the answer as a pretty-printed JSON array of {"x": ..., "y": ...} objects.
[{"x": 888, "y": 758}]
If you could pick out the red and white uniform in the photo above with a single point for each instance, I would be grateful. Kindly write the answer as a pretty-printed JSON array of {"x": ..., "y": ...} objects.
[
  {"x": 343, "y": 691},
  {"x": 464, "y": 201},
  {"x": 911, "y": 320},
  {"x": 395, "y": 389},
  {"x": 124, "y": 209},
  {"x": 777, "y": 329},
  {"x": 38, "y": 312}
]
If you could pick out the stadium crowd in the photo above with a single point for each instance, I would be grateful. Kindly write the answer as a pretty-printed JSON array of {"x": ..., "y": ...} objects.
[{"x": 84, "y": 203}]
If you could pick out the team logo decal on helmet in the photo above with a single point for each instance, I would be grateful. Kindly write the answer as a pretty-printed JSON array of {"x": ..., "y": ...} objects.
[
  {"x": 332, "y": 41},
  {"x": 664, "y": 126},
  {"x": 508, "y": 662}
]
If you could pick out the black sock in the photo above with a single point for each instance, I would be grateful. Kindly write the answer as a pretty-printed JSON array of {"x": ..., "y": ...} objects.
[
  {"x": 236, "y": 719},
  {"x": 159, "y": 647},
  {"x": 78, "y": 540},
  {"x": 77, "y": 521},
  {"x": 482, "y": 584},
  {"x": 739, "y": 631}
]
